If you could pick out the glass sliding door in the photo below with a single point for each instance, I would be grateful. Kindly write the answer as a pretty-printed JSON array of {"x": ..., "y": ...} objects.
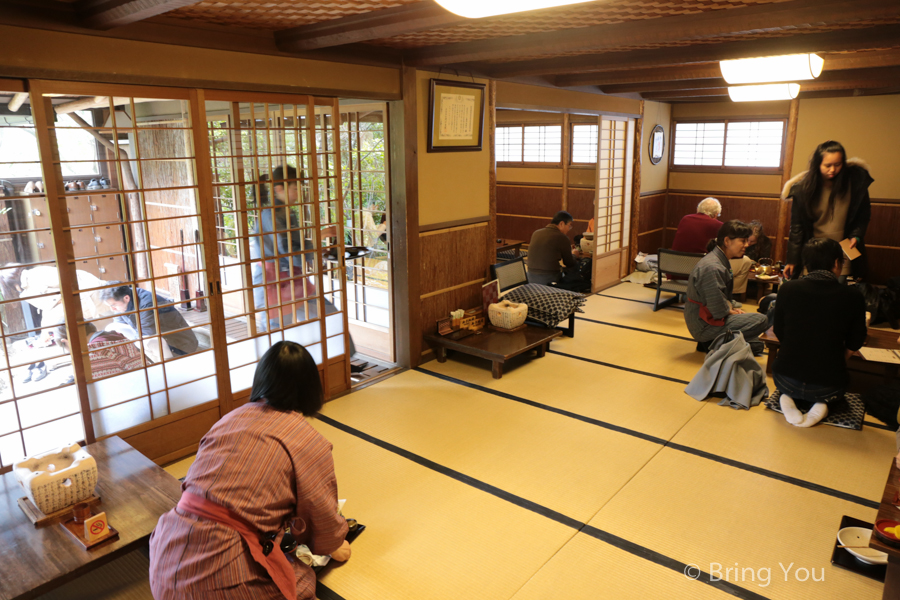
[
  {"x": 131, "y": 233},
  {"x": 39, "y": 409},
  {"x": 278, "y": 215},
  {"x": 364, "y": 162}
]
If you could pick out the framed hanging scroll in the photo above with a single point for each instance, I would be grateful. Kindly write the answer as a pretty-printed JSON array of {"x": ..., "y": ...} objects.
[{"x": 455, "y": 116}]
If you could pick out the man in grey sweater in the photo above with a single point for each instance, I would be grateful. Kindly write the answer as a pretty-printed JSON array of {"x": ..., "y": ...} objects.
[
  {"x": 548, "y": 246},
  {"x": 709, "y": 310}
]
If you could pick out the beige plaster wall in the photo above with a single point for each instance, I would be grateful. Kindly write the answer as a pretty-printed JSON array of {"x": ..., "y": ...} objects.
[
  {"x": 452, "y": 185},
  {"x": 866, "y": 126},
  {"x": 654, "y": 177}
]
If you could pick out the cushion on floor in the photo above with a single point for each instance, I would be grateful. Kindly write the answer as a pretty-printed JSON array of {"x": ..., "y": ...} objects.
[{"x": 849, "y": 418}]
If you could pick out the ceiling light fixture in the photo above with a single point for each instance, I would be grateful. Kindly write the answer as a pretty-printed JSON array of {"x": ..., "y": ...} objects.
[
  {"x": 792, "y": 67},
  {"x": 476, "y": 9},
  {"x": 760, "y": 93}
]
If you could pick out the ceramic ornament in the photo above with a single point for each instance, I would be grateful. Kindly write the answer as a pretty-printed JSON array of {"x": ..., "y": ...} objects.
[{"x": 59, "y": 478}]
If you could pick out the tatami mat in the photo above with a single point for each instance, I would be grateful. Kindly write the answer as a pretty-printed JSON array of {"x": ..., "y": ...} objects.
[
  {"x": 457, "y": 427},
  {"x": 855, "y": 462},
  {"x": 589, "y": 569},
  {"x": 429, "y": 536},
  {"x": 636, "y": 402},
  {"x": 638, "y": 350},
  {"x": 700, "y": 512}
]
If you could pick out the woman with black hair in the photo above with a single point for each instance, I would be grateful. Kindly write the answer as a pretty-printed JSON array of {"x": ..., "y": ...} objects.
[
  {"x": 830, "y": 200},
  {"x": 260, "y": 468},
  {"x": 819, "y": 323}
]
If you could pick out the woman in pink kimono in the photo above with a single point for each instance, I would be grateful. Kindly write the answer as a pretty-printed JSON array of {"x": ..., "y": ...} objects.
[{"x": 260, "y": 468}]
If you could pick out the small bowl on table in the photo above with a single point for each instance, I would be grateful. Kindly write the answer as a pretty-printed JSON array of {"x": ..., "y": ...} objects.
[{"x": 860, "y": 536}]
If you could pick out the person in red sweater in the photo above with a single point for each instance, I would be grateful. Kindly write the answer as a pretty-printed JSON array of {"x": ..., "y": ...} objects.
[{"x": 695, "y": 231}]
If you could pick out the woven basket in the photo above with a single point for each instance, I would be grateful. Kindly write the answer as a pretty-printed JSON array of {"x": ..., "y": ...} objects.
[{"x": 507, "y": 315}]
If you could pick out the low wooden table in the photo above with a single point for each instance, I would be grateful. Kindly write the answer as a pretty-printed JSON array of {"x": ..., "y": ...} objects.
[
  {"x": 496, "y": 346},
  {"x": 510, "y": 245},
  {"x": 763, "y": 286},
  {"x": 887, "y": 510},
  {"x": 134, "y": 494},
  {"x": 877, "y": 338}
]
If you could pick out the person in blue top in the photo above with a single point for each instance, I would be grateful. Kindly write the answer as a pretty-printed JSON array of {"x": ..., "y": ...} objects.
[{"x": 121, "y": 299}]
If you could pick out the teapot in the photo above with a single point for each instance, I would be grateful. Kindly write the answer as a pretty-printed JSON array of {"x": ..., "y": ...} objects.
[{"x": 765, "y": 267}]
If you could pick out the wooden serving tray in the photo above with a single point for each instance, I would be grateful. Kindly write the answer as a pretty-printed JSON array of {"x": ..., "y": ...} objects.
[
  {"x": 77, "y": 532},
  {"x": 39, "y": 519}
]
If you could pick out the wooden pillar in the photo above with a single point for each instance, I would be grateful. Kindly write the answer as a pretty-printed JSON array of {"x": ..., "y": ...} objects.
[
  {"x": 566, "y": 158},
  {"x": 491, "y": 126},
  {"x": 636, "y": 187},
  {"x": 404, "y": 163},
  {"x": 784, "y": 217}
]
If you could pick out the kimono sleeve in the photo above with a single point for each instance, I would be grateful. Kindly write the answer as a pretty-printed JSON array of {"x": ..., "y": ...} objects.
[{"x": 317, "y": 502}]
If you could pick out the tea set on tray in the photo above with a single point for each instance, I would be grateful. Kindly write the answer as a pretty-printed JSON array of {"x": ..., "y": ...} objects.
[{"x": 766, "y": 269}]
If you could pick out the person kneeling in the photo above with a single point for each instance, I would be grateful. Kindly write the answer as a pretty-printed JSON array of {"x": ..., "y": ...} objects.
[
  {"x": 709, "y": 310},
  {"x": 819, "y": 323}
]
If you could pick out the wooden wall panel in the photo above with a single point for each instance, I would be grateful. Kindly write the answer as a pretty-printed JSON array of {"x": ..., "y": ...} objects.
[
  {"x": 652, "y": 213},
  {"x": 530, "y": 201},
  {"x": 884, "y": 263},
  {"x": 439, "y": 306},
  {"x": 884, "y": 228},
  {"x": 180, "y": 439},
  {"x": 650, "y": 243},
  {"x": 519, "y": 228},
  {"x": 745, "y": 208},
  {"x": 448, "y": 258},
  {"x": 581, "y": 203}
]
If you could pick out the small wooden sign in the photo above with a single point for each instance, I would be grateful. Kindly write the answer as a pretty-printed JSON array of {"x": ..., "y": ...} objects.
[{"x": 96, "y": 527}]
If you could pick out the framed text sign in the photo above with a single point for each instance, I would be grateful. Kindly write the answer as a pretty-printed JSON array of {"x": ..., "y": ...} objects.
[
  {"x": 455, "y": 116},
  {"x": 657, "y": 145}
]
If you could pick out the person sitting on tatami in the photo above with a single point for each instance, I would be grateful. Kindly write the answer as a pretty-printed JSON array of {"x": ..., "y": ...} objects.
[
  {"x": 709, "y": 310},
  {"x": 819, "y": 323}
]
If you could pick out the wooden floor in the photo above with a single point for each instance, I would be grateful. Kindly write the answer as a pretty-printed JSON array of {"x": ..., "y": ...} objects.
[{"x": 590, "y": 474}]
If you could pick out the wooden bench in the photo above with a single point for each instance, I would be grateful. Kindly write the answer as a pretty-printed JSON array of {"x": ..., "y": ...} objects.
[{"x": 496, "y": 346}]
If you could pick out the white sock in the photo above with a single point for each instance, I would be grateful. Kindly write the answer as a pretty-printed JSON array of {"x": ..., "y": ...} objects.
[
  {"x": 790, "y": 410},
  {"x": 818, "y": 412}
]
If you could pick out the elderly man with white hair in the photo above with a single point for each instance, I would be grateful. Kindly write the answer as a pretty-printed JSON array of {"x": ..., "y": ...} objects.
[{"x": 695, "y": 232}]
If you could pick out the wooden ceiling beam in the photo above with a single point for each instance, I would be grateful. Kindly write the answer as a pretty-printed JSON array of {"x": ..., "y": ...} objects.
[
  {"x": 107, "y": 14},
  {"x": 833, "y": 62},
  {"x": 604, "y": 78},
  {"x": 373, "y": 25},
  {"x": 881, "y": 36},
  {"x": 720, "y": 91},
  {"x": 850, "y": 83},
  {"x": 825, "y": 79},
  {"x": 662, "y": 86},
  {"x": 698, "y": 26}
]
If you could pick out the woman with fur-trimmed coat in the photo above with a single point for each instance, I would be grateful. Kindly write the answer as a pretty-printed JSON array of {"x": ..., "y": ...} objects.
[{"x": 831, "y": 200}]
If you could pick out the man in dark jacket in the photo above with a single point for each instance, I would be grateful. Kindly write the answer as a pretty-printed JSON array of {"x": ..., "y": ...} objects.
[
  {"x": 819, "y": 323},
  {"x": 121, "y": 300},
  {"x": 548, "y": 246}
]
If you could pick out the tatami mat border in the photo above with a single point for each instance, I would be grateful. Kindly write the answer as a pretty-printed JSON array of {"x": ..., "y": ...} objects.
[
  {"x": 815, "y": 487},
  {"x": 671, "y": 335},
  {"x": 323, "y": 592},
  {"x": 618, "y": 542},
  {"x": 619, "y": 367},
  {"x": 636, "y": 300}
]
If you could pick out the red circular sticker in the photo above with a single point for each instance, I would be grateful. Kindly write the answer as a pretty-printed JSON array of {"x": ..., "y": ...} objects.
[{"x": 97, "y": 527}]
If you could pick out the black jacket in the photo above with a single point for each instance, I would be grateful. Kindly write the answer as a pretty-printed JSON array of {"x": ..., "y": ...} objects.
[
  {"x": 815, "y": 321},
  {"x": 858, "y": 216}
]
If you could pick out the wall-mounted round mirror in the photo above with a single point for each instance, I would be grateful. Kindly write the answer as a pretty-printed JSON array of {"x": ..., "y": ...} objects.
[{"x": 657, "y": 145}]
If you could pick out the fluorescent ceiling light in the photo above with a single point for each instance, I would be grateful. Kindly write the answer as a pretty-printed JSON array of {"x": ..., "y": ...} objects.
[
  {"x": 793, "y": 67},
  {"x": 759, "y": 93},
  {"x": 475, "y": 9}
]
